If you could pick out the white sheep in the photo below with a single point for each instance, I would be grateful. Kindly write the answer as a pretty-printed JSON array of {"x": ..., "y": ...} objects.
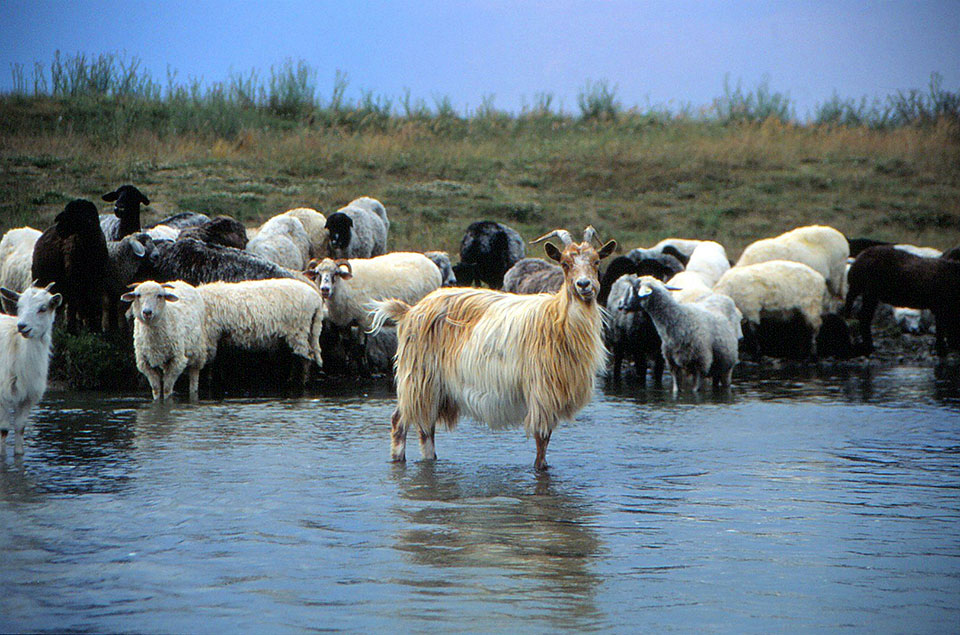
[
  {"x": 16, "y": 259},
  {"x": 283, "y": 241},
  {"x": 442, "y": 260},
  {"x": 314, "y": 224},
  {"x": 349, "y": 287},
  {"x": 683, "y": 246},
  {"x": 24, "y": 358},
  {"x": 168, "y": 334},
  {"x": 822, "y": 248},
  {"x": 697, "y": 341},
  {"x": 709, "y": 261},
  {"x": 777, "y": 289},
  {"x": 688, "y": 286},
  {"x": 258, "y": 314}
]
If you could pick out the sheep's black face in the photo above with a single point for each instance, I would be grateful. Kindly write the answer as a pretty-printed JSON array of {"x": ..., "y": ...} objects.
[
  {"x": 126, "y": 201},
  {"x": 77, "y": 216},
  {"x": 339, "y": 225}
]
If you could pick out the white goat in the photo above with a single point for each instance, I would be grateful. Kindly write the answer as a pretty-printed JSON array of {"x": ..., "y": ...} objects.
[
  {"x": 168, "y": 334},
  {"x": 24, "y": 358}
]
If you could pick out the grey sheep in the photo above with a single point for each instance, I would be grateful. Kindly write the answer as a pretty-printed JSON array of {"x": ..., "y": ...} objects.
[
  {"x": 359, "y": 229},
  {"x": 533, "y": 275},
  {"x": 198, "y": 263},
  {"x": 630, "y": 333}
]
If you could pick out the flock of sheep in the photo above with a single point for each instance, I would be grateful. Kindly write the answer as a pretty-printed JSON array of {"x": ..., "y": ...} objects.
[{"x": 531, "y": 354}]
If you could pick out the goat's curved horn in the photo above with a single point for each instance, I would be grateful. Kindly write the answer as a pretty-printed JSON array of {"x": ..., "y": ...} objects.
[
  {"x": 591, "y": 234},
  {"x": 562, "y": 234},
  {"x": 133, "y": 285},
  {"x": 167, "y": 285},
  {"x": 46, "y": 288}
]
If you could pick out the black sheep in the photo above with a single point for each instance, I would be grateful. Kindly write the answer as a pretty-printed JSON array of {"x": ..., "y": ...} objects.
[
  {"x": 887, "y": 274},
  {"x": 196, "y": 262},
  {"x": 857, "y": 245},
  {"x": 487, "y": 252},
  {"x": 125, "y": 220},
  {"x": 220, "y": 230},
  {"x": 72, "y": 254}
]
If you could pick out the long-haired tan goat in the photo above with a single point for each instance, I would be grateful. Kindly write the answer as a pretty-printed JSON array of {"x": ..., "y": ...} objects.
[{"x": 499, "y": 357}]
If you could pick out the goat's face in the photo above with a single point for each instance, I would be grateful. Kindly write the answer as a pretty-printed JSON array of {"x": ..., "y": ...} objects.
[
  {"x": 581, "y": 266},
  {"x": 36, "y": 309},
  {"x": 326, "y": 273},
  {"x": 149, "y": 300},
  {"x": 126, "y": 201}
]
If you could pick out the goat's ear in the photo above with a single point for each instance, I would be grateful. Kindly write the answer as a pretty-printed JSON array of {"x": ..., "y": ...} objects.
[
  {"x": 129, "y": 297},
  {"x": 169, "y": 297},
  {"x": 11, "y": 296},
  {"x": 553, "y": 251},
  {"x": 111, "y": 196},
  {"x": 607, "y": 249},
  {"x": 56, "y": 301}
]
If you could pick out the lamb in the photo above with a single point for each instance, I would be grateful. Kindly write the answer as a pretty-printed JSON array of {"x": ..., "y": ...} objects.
[
  {"x": 168, "y": 334},
  {"x": 220, "y": 230},
  {"x": 358, "y": 230},
  {"x": 72, "y": 254},
  {"x": 631, "y": 333},
  {"x": 499, "y": 357},
  {"x": 442, "y": 260},
  {"x": 283, "y": 241},
  {"x": 16, "y": 258},
  {"x": 350, "y": 286},
  {"x": 125, "y": 220},
  {"x": 888, "y": 274},
  {"x": 487, "y": 251},
  {"x": 315, "y": 225},
  {"x": 258, "y": 314},
  {"x": 25, "y": 341},
  {"x": 822, "y": 248},
  {"x": 697, "y": 342},
  {"x": 195, "y": 262},
  {"x": 534, "y": 275},
  {"x": 776, "y": 289}
]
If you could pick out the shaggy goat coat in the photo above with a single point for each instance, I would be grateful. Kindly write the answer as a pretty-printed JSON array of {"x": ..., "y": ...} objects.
[{"x": 501, "y": 358}]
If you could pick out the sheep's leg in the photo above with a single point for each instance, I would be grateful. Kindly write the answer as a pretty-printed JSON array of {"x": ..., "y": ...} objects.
[
  {"x": 542, "y": 440},
  {"x": 617, "y": 362},
  {"x": 170, "y": 374},
  {"x": 426, "y": 442},
  {"x": 155, "y": 379},
  {"x": 3, "y": 440},
  {"x": 695, "y": 381},
  {"x": 867, "y": 307},
  {"x": 194, "y": 382},
  {"x": 658, "y": 365},
  {"x": 398, "y": 438},
  {"x": 640, "y": 363}
]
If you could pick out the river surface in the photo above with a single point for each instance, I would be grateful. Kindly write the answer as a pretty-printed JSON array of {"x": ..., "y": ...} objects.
[{"x": 802, "y": 501}]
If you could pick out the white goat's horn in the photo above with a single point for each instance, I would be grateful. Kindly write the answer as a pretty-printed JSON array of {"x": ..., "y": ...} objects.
[
  {"x": 591, "y": 234},
  {"x": 562, "y": 234}
]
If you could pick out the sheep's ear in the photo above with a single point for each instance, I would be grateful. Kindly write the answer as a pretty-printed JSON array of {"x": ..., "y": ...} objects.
[
  {"x": 311, "y": 274},
  {"x": 11, "y": 296},
  {"x": 144, "y": 199},
  {"x": 129, "y": 297},
  {"x": 344, "y": 272},
  {"x": 672, "y": 288},
  {"x": 607, "y": 249},
  {"x": 553, "y": 251},
  {"x": 111, "y": 196},
  {"x": 55, "y": 301},
  {"x": 138, "y": 249},
  {"x": 169, "y": 297}
]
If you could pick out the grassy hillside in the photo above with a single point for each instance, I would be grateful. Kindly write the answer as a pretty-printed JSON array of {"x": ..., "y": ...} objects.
[{"x": 637, "y": 182}]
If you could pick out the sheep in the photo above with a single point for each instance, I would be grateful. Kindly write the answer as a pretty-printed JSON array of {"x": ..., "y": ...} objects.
[
  {"x": 888, "y": 274},
  {"x": 257, "y": 314},
  {"x": 129, "y": 262},
  {"x": 163, "y": 232},
  {"x": 196, "y": 262},
  {"x": 499, "y": 357},
  {"x": 697, "y": 342},
  {"x": 661, "y": 265},
  {"x": 125, "y": 219},
  {"x": 487, "y": 251},
  {"x": 25, "y": 341},
  {"x": 776, "y": 289},
  {"x": 220, "y": 230},
  {"x": 709, "y": 261},
  {"x": 315, "y": 225},
  {"x": 822, "y": 248},
  {"x": 534, "y": 275},
  {"x": 72, "y": 254},
  {"x": 631, "y": 333},
  {"x": 181, "y": 221},
  {"x": 349, "y": 286},
  {"x": 359, "y": 229},
  {"x": 284, "y": 241},
  {"x": 951, "y": 254},
  {"x": 688, "y": 286},
  {"x": 681, "y": 248},
  {"x": 442, "y": 260},
  {"x": 923, "y": 252},
  {"x": 16, "y": 258},
  {"x": 859, "y": 244},
  {"x": 168, "y": 334}
]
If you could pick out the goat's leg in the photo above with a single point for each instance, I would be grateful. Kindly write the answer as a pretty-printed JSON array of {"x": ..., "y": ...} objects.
[
  {"x": 427, "y": 449},
  {"x": 542, "y": 440},
  {"x": 398, "y": 438},
  {"x": 20, "y": 415}
]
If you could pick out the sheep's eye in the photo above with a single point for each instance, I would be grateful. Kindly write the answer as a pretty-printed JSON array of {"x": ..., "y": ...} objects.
[{"x": 43, "y": 309}]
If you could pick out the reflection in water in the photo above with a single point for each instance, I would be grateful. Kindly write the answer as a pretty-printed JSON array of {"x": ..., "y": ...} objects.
[{"x": 534, "y": 536}]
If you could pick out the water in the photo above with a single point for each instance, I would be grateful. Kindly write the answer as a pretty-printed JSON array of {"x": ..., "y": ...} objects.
[{"x": 799, "y": 502}]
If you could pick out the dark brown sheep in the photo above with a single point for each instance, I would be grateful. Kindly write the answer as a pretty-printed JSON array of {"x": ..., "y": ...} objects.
[
  {"x": 887, "y": 274},
  {"x": 72, "y": 254},
  {"x": 221, "y": 230}
]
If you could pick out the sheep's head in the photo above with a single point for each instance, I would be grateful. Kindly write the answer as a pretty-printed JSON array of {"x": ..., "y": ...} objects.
[
  {"x": 149, "y": 299},
  {"x": 641, "y": 291},
  {"x": 36, "y": 309},
  {"x": 79, "y": 215},
  {"x": 126, "y": 201},
  {"x": 325, "y": 274},
  {"x": 580, "y": 261},
  {"x": 339, "y": 226}
]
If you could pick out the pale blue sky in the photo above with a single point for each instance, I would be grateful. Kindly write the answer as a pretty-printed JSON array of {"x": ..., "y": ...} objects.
[{"x": 654, "y": 52}]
